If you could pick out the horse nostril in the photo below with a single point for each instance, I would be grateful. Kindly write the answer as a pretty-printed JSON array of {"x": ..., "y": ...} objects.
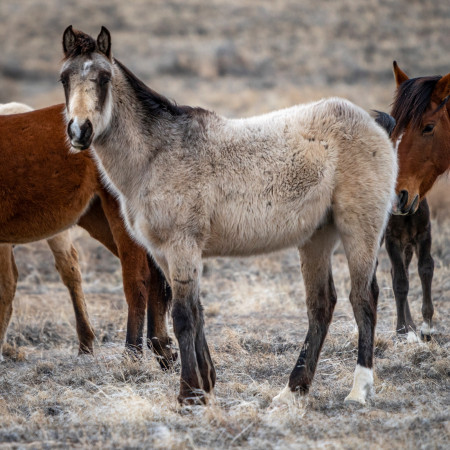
[
  {"x": 87, "y": 129},
  {"x": 69, "y": 129},
  {"x": 402, "y": 199}
]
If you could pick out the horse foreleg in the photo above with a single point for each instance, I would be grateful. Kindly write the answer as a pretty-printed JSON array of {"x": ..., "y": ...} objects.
[
  {"x": 66, "y": 263},
  {"x": 400, "y": 284},
  {"x": 426, "y": 270},
  {"x": 197, "y": 370},
  {"x": 8, "y": 283},
  {"x": 315, "y": 258}
]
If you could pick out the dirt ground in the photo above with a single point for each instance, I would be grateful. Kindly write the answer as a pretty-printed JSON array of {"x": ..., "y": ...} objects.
[{"x": 238, "y": 58}]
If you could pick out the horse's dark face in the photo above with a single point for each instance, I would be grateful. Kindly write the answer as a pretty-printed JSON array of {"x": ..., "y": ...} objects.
[
  {"x": 86, "y": 76},
  {"x": 423, "y": 150}
]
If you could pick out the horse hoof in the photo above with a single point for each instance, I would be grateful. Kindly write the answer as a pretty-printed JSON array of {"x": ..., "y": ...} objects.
[
  {"x": 412, "y": 337},
  {"x": 425, "y": 337},
  {"x": 426, "y": 332},
  {"x": 85, "y": 350},
  {"x": 362, "y": 386},
  {"x": 162, "y": 348},
  {"x": 192, "y": 397},
  {"x": 359, "y": 400},
  {"x": 167, "y": 363},
  {"x": 132, "y": 354}
]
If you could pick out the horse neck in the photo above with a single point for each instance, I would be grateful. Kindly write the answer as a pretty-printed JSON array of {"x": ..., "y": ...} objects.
[{"x": 132, "y": 139}]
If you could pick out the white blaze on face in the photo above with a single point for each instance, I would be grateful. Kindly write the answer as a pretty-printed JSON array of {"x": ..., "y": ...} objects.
[
  {"x": 362, "y": 385},
  {"x": 397, "y": 143},
  {"x": 86, "y": 68}
]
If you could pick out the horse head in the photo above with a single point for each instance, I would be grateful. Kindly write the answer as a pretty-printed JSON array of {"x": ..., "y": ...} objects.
[
  {"x": 422, "y": 136},
  {"x": 86, "y": 74}
]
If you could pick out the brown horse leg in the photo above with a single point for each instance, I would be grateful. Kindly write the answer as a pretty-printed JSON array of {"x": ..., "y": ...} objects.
[
  {"x": 8, "y": 283},
  {"x": 66, "y": 263},
  {"x": 426, "y": 270},
  {"x": 138, "y": 275},
  {"x": 159, "y": 298},
  {"x": 400, "y": 259},
  {"x": 315, "y": 257}
]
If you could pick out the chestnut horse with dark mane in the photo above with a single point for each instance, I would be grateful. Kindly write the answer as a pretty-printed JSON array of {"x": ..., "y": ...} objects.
[
  {"x": 421, "y": 110},
  {"x": 44, "y": 190}
]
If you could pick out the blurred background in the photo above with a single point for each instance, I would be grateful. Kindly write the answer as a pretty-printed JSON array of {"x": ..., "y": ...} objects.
[{"x": 238, "y": 57}]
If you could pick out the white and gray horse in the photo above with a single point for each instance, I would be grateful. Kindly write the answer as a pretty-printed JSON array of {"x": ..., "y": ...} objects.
[{"x": 193, "y": 184}]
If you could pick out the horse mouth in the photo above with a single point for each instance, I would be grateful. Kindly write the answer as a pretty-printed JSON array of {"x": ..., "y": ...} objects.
[
  {"x": 406, "y": 210},
  {"x": 79, "y": 146}
]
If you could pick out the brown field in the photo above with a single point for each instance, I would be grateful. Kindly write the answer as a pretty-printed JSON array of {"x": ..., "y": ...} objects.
[{"x": 239, "y": 58}]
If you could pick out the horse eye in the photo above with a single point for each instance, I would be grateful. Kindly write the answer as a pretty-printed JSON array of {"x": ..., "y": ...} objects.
[
  {"x": 428, "y": 129},
  {"x": 64, "y": 81},
  {"x": 104, "y": 80}
]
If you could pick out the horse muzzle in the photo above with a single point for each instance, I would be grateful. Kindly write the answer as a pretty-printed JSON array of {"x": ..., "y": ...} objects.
[
  {"x": 401, "y": 206},
  {"x": 80, "y": 135}
]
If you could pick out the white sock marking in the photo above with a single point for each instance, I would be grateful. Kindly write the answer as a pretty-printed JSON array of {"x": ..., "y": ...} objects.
[{"x": 362, "y": 385}]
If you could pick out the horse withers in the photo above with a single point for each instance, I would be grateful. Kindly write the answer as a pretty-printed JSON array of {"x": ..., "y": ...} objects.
[{"x": 193, "y": 184}]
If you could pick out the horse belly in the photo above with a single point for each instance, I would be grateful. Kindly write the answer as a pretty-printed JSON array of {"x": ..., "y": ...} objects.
[{"x": 239, "y": 230}]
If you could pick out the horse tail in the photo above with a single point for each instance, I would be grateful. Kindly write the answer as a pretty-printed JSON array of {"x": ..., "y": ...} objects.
[{"x": 385, "y": 120}]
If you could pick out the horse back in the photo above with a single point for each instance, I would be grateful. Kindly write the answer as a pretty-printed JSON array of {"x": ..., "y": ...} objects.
[{"x": 43, "y": 187}]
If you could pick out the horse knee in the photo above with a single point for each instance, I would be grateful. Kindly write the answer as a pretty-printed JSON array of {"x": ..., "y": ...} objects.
[
  {"x": 426, "y": 268},
  {"x": 400, "y": 285},
  {"x": 183, "y": 319}
]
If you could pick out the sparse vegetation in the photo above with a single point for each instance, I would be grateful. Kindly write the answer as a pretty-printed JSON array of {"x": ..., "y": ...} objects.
[{"x": 239, "y": 59}]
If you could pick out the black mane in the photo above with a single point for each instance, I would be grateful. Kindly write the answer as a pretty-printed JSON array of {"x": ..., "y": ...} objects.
[
  {"x": 153, "y": 103},
  {"x": 411, "y": 101}
]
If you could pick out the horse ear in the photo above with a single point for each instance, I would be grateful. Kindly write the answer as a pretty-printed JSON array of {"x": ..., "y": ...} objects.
[
  {"x": 69, "y": 40},
  {"x": 442, "y": 88},
  {"x": 400, "y": 76},
  {"x": 104, "y": 42}
]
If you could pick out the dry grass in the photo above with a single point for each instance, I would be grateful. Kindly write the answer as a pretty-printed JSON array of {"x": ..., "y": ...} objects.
[
  {"x": 256, "y": 321},
  {"x": 239, "y": 59}
]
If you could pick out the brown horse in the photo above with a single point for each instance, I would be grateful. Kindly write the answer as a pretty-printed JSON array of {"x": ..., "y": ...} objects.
[
  {"x": 422, "y": 133},
  {"x": 44, "y": 190},
  {"x": 422, "y": 111}
]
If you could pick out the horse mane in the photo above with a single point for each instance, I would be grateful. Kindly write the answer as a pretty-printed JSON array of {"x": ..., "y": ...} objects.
[
  {"x": 411, "y": 101},
  {"x": 153, "y": 103}
]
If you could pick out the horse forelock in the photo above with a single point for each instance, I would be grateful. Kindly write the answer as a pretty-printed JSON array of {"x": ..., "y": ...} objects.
[
  {"x": 84, "y": 45},
  {"x": 411, "y": 101}
]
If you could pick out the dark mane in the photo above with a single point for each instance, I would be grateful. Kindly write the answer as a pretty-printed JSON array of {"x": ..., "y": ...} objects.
[
  {"x": 153, "y": 103},
  {"x": 84, "y": 45},
  {"x": 411, "y": 101}
]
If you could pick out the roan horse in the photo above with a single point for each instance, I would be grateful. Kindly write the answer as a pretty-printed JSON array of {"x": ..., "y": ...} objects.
[
  {"x": 43, "y": 191},
  {"x": 422, "y": 134},
  {"x": 194, "y": 184}
]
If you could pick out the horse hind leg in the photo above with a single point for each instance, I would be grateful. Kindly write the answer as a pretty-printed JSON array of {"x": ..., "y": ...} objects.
[
  {"x": 360, "y": 229},
  {"x": 159, "y": 300},
  {"x": 315, "y": 258},
  {"x": 8, "y": 283},
  {"x": 66, "y": 262}
]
